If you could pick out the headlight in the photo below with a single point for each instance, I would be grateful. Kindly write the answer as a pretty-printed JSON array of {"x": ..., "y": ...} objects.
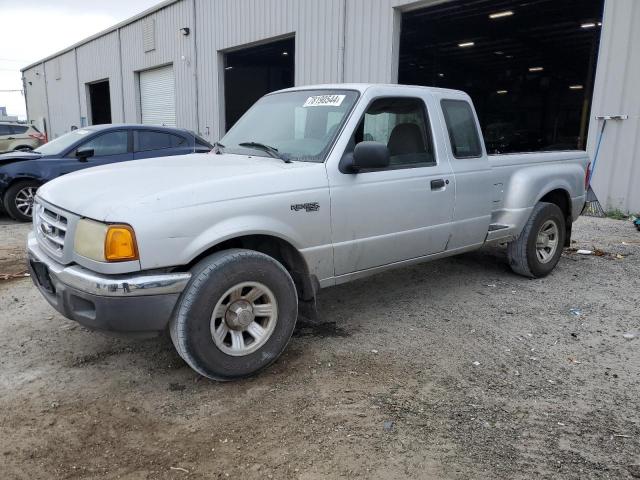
[{"x": 105, "y": 243}]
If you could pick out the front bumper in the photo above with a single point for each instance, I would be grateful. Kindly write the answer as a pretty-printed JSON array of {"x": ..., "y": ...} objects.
[{"x": 136, "y": 304}]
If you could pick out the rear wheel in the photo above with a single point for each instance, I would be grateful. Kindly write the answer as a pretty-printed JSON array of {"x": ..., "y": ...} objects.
[
  {"x": 537, "y": 250},
  {"x": 19, "y": 198},
  {"x": 236, "y": 316}
]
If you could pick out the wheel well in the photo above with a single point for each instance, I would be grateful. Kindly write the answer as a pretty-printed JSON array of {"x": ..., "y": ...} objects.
[
  {"x": 307, "y": 285},
  {"x": 562, "y": 199},
  {"x": 16, "y": 180}
]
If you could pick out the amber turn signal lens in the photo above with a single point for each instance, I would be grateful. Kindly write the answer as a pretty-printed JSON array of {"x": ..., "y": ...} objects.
[{"x": 120, "y": 244}]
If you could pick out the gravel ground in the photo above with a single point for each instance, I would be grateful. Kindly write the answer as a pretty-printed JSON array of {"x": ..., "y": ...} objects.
[{"x": 456, "y": 369}]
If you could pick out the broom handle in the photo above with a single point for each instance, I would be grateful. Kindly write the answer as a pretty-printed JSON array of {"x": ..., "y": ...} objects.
[{"x": 595, "y": 157}]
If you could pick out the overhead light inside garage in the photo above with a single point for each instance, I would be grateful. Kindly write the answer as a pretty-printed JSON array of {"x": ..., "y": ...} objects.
[
  {"x": 537, "y": 65},
  {"x": 507, "y": 13}
]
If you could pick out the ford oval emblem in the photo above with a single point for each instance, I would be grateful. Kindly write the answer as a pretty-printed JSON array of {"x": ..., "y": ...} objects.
[{"x": 46, "y": 229}]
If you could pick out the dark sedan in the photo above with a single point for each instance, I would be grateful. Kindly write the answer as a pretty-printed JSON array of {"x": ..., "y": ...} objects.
[{"x": 21, "y": 173}]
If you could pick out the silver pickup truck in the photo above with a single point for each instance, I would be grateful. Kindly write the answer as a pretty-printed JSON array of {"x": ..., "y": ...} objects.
[{"x": 313, "y": 187}]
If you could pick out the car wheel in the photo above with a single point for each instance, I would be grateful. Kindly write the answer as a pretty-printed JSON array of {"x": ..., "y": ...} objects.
[
  {"x": 537, "y": 250},
  {"x": 236, "y": 315},
  {"x": 23, "y": 148},
  {"x": 19, "y": 198}
]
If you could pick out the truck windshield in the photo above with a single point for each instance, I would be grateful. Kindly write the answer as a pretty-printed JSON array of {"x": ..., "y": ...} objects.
[
  {"x": 60, "y": 144},
  {"x": 301, "y": 125}
]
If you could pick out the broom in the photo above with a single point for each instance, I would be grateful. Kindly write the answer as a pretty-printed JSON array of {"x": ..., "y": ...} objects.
[{"x": 592, "y": 207}]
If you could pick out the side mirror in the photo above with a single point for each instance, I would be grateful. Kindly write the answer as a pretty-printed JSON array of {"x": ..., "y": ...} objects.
[
  {"x": 370, "y": 155},
  {"x": 84, "y": 154}
]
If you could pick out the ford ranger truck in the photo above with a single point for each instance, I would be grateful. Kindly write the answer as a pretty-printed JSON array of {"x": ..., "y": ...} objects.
[{"x": 313, "y": 187}]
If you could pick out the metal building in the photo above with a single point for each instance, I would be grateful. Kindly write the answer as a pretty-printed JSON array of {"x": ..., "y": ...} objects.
[{"x": 539, "y": 71}]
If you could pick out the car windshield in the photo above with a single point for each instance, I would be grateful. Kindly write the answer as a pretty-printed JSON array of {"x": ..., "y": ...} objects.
[
  {"x": 60, "y": 144},
  {"x": 300, "y": 125}
]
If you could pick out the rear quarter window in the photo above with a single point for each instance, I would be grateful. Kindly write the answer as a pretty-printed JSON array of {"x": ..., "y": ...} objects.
[
  {"x": 146, "y": 140},
  {"x": 462, "y": 128}
]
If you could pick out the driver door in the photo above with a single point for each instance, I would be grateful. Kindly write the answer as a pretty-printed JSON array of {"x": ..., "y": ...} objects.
[{"x": 109, "y": 147}]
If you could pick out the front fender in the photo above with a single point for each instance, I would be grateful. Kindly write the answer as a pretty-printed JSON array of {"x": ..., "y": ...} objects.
[{"x": 239, "y": 227}]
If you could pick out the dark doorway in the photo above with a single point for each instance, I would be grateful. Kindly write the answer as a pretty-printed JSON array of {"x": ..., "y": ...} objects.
[
  {"x": 100, "y": 100},
  {"x": 528, "y": 66},
  {"x": 253, "y": 72}
]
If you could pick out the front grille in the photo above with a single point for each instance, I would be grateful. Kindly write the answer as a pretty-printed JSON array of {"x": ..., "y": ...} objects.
[{"x": 51, "y": 228}]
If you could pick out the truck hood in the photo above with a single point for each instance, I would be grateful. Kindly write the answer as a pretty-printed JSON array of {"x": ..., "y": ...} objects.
[{"x": 114, "y": 192}]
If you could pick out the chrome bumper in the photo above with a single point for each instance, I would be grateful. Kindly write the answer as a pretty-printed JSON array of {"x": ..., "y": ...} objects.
[{"x": 130, "y": 285}]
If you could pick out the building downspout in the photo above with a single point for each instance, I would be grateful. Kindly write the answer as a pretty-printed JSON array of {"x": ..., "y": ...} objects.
[
  {"x": 341, "y": 46},
  {"x": 24, "y": 93},
  {"x": 195, "y": 64},
  {"x": 47, "y": 127},
  {"x": 121, "y": 77},
  {"x": 75, "y": 58}
]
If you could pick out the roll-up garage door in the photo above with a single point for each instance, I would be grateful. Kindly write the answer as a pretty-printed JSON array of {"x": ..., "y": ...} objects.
[{"x": 158, "y": 96}]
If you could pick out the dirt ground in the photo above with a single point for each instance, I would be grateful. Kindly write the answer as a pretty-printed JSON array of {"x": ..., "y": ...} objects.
[{"x": 456, "y": 369}]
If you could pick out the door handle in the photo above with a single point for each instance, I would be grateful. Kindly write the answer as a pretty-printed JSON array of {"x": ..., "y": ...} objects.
[
  {"x": 10, "y": 138},
  {"x": 438, "y": 184}
]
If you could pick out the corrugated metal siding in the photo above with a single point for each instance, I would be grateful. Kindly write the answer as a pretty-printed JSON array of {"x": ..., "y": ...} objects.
[
  {"x": 372, "y": 35},
  {"x": 366, "y": 50},
  {"x": 99, "y": 60},
  {"x": 36, "y": 96},
  {"x": 62, "y": 93},
  {"x": 318, "y": 27},
  {"x": 616, "y": 180},
  {"x": 171, "y": 47}
]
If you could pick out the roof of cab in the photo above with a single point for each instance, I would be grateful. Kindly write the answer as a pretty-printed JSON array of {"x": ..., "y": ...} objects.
[{"x": 362, "y": 87}]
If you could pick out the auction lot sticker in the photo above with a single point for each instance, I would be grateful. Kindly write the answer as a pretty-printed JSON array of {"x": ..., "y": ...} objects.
[{"x": 324, "y": 101}]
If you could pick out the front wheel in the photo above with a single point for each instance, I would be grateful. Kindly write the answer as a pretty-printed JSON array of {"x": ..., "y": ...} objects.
[
  {"x": 236, "y": 316},
  {"x": 537, "y": 250},
  {"x": 19, "y": 198}
]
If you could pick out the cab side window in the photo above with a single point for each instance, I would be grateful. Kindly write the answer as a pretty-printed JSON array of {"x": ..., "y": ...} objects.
[
  {"x": 112, "y": 143},
  {"x": 401, "y": 124},
  {"x": 461, "y": 125}
]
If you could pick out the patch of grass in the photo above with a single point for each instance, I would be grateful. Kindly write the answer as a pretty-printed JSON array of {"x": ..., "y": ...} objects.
[{"x": 617, "y": 214}]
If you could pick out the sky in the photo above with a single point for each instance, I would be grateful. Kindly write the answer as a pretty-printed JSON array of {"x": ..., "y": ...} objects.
[{"x": 33, "y": 29}]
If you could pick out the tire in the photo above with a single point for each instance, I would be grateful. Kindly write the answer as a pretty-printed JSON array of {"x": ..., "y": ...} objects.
[
  {"x": 23, "y": 148},
  {"x": 213, "y": 284},
  {"x": 529, "y": 259},
  {"x": 24, "y": 189}
]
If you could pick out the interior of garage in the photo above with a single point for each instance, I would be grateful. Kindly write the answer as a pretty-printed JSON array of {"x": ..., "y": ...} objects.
[
  {"x": 252, "y": 72},
  {"x": 528, "y": 66},
  {"x": 100, "y": 102}
]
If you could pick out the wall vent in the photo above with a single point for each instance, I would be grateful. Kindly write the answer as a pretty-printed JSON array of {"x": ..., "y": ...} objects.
[{"x": 149, "y": 34}]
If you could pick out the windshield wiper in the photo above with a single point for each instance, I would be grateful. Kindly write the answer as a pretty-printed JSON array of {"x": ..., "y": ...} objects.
[
  {"x": 273, "y": 151},
  {"x": 218, "y": 147}
]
